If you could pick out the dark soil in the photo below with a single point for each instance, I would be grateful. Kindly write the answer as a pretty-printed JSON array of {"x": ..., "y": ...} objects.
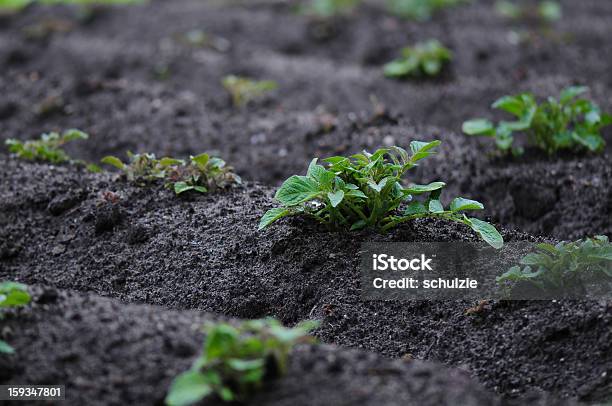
[
  {"x": 126, "y": 76},
  {"x": 203, "y": 252},
  {"x": 129, "y": 78},
  {"x": 109, "y": 353}
]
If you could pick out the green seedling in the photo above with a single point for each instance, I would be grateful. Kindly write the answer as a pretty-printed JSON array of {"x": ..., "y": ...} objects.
[
  {"x": 424, "y": 59},
  {"x": 329, "y": 8},
  {"x": 547, "y": 11},
  {"x": 568, "y": 123},
  {"x": 421, "y": 10},
  {"x": 12, "y": 294},
  {"x": 365, "y": 190},
  {"x": 201, "y": 173},
  {"x": 565, "y": 266},
  {"x": 47, "y": 148},
  {"x": 236, "y": 360},
  {"x": 243, "y": 90}
]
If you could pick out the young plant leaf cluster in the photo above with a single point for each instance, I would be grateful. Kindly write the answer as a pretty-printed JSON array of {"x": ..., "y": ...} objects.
[
  {"x": 565, "y": 266},
  {"x": 424, "y": 59},
  {"x": 12, "y": 294},
  {"x": 201, "y": 173},
  {"x": 365, "y": 190},
  {"x": 568, "y": 123},
  {"x": 547, "y": 11},
  {"x": 243, "y": 90},
  {"x": 48, "y": 148},
  {"x": 236, "y": 360},
  {"x": 421, "y": 10},
  {"x": 329, "y": 8}
]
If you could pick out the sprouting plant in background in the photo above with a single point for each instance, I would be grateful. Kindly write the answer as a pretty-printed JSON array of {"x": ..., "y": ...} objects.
[
  {"x": 237, "y": 359},
  {"x": 49, "y": 148},
  {"x": 423, "y": 59},
  {"x": 365, "y": 190},
  {"x": 421, "y": 10},
  {"x": 564, "y": 267},
  {"x": 201, "y": 173},
  {"x": 568, "y": 123},
  {"x": 329, "y": 8},
  {"x": 12, "y": 294},
  {"x": 243, "y": 90},
  {"x": 547, "y": 11}
]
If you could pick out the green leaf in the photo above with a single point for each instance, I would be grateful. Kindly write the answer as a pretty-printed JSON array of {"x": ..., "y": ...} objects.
[
  {"x": 571, "y": 92},
  {"x": 8, "y": 286},
  {"x": 272, "y": 215},
  {"x": 201, "y": 159},
  {"x": 188, "y": 388},
  {"x": 512, "y": 274},
  {"x": 166, "y": 161},
  {"x": 356, "y": 193},
  {"x": 71, "y": 135},
  {"x": 378, "y": 186},
  {"x": 435, "y": 206},
  {"x": 5, "y": 348},
  {"x": 487, "y": 232},
  {"x": 532, "y": 259},
  {"x": 432, "y": 67},
  {"x": 296, "y": 190},
  {"x": 512, "y": 104},
  {"x": 181, "y": 187},
  {"x": 358, "y": 225},
  {"x": 396, "y": 68},
  {"x": 423, "y": 146},
  {"x": 314, "y": 170},
  {"x": 114, "y": 161},
  {"x": 420, "y": 189},
  {"x": 478, "y": 127},
  {"x": 93, "y": 168},
  {"x": 459, "y": 204},
  {"x": 14, "y": 298},
  {"x": 220, "y": 340},
  {"x": 335, "y": 198},
  {"x": 548, "y": 248},
  {"x": 199, "y": 188},
  {"x": 593, "y": 142},
  {"x": 245, "y": 365},
  {"x": 415, "y": 208}
]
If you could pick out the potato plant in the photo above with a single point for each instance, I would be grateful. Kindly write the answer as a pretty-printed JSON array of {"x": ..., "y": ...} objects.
[
  {"x": 564, "y": 267},
  {"x": 424, "y": 59},
  {"x": 567, "y": 123},
  {"x": 201, "y": 173},
  {"x": 243, "y": 90},
  {"x": 236, "y": 360},
  {"x": 48, "y": 148},
  {"x": 421, "y": 10},
  {"x": 365, "y": 190},
  {"x": 12, "y": 294}
]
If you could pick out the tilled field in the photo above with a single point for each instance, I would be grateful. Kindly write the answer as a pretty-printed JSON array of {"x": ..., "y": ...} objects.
[{"x": 120, "y": 289}]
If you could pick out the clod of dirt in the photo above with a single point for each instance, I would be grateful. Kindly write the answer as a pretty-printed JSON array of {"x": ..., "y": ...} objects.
[
  {"x": 106, "y": 217},
  {"x": 60, "y": 204}
]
